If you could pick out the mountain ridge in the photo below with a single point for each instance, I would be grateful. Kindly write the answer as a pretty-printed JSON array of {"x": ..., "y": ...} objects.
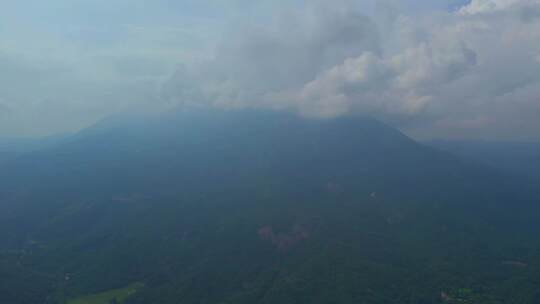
[{"x": 262, "y": 207}]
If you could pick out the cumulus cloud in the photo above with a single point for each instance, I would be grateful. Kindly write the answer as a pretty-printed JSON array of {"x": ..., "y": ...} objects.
[
  {"x": 452, "y": 68},
  {"x": 473, "y": 71},
  {"x": 260, "y": 59},
  {"x": 488, "y": 6}
]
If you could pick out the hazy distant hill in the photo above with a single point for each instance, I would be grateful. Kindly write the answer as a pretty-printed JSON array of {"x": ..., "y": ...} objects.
[
  {"x": 519, "y": 158},
  {"x": 6, "y": 156},
  {"x": 262, "y": 207},
  {"x": 10, "y": 148},
  {"x": 24, "y": 145}
]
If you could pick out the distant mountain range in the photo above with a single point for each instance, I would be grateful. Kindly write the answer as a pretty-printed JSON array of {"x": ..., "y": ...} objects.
[
  {"x": 203, "y": 206},
  {"x": 10, "y": 148},
  {"x": 521, "y": 159}
]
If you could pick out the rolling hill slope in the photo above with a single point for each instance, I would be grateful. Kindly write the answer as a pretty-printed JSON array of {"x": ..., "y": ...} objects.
[{"x": 263, "y": 207}]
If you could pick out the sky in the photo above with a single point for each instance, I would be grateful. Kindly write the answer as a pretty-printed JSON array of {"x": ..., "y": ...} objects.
[{"x": 433, "y": 69}]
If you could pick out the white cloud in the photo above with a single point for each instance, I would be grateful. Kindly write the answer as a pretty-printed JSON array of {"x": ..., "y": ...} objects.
[
  {"x": 488, "y": 6},
  {"x": 470, "y": 71},
  {"x": 434, "y": 74}
]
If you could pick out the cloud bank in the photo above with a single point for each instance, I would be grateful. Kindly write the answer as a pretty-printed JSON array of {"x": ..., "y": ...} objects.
[
  {"x": 446, "y": 69},
  {"x": 470, "y": 72}
]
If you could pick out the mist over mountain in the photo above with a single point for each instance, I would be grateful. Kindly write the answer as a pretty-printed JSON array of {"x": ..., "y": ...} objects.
[
  {"x": 11, "y": 148},
  {"x": 270, "y": 152},
  {"x": 521, "y": 159},
  {"x": 246, "y": 206}
]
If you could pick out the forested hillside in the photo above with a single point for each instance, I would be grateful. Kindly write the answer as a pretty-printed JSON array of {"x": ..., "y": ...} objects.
[{"x": 261, "y": 207}]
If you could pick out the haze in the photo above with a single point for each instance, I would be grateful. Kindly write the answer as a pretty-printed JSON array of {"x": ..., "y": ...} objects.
[
  {"x": 270, "y": 151},
  {"x": 454, "y": 69}
]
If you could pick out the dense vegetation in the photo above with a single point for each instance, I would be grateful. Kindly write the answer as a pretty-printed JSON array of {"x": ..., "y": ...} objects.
[{"x": 258, "y": 207}]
